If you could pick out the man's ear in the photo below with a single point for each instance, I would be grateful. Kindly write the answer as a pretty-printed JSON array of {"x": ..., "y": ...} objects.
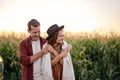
[{"x": 28, "y": 30}]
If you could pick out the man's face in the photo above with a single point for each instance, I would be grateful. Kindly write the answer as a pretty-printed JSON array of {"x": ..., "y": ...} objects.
[
  {"x": 60, "y": 37},
  {"x": 34, "y": 32}
]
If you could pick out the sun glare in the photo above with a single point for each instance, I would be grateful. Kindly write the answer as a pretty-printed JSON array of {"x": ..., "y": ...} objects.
[
  {"x": 77, "y": 16},
  {"x": 88, "y": 25}
]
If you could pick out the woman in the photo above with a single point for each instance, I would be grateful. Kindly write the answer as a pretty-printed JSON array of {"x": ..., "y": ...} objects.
[{"x": 58, "y": 58}]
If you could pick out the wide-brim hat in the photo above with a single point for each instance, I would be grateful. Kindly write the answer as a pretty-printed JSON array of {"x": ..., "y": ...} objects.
[{"x": 52, "y": 29}]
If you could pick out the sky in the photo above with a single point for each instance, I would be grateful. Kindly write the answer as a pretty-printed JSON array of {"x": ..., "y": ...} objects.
[{"x": 75, "y": 15}]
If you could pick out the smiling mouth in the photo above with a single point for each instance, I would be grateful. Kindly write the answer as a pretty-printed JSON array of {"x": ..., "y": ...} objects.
[{"x": 36, "y": 36}]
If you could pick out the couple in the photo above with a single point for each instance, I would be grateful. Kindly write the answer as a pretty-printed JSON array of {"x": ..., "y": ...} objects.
[{"x": 45, "y": 59}]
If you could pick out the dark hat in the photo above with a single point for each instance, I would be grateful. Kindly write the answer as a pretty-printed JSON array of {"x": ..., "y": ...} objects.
[{"x": 52, "y": 29}]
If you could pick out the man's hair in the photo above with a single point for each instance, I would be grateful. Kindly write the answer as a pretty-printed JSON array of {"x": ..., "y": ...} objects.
[{"x": 33, "y": 22}]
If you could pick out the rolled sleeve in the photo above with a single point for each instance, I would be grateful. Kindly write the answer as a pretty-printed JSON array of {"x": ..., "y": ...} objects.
[{"x": 24, "y": 54}]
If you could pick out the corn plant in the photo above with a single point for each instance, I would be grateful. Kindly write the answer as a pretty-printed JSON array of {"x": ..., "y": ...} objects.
[{"x": 94, "y": 56}]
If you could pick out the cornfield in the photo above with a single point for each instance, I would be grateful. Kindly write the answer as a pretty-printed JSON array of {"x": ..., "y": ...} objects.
[{"x": 94, "y": 56}]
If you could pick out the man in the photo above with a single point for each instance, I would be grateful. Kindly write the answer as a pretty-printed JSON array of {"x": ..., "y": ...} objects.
[{"x": 31, "y": 52}]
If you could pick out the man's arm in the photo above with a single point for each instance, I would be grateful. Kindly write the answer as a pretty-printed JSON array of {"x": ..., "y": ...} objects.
[
  {"x": 38, "y": 55},
  {"x": 25, "y": 59}
]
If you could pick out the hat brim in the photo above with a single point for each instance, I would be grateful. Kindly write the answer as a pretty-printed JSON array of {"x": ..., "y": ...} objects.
[{"x": 60, "y": 28}]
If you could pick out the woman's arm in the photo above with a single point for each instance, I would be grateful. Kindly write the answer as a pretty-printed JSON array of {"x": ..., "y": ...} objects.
[
  {"x": 58, "y": 57},
  {"x": 55, "y": 53}
]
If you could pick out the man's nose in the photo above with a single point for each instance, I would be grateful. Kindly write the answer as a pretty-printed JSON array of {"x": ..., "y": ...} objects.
[{"x": 37, "y": 33}]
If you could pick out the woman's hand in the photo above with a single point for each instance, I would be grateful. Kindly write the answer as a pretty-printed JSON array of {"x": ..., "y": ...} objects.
[
  {"x": 69, "y": 47},
  {"x": 66, "y": 50}
]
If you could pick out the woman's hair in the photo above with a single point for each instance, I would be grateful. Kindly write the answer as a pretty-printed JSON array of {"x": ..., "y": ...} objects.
[{"x": 53, "y": 38}]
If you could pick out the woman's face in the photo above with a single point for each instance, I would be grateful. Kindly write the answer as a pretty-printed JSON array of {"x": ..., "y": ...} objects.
[{"x": 60, "y": 37}]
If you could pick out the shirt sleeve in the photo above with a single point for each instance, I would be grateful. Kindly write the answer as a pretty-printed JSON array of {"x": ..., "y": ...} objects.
[{"x": 24, "y": 55}]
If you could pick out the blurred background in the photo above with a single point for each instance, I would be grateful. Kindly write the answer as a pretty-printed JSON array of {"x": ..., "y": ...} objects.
[
  {"x": 92, "y": 27},
  {"x": 76, "y": 15}
]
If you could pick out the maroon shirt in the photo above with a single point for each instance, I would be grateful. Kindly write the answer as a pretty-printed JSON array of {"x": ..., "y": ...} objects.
[{"x": 25, "y": 53}]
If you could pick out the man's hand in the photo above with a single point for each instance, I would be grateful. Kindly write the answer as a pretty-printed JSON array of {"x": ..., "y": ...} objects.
[
  {"x": 38, "y": 55},
  {"x": 44, "y": 51},
  {"x": 50, "y": 48}
]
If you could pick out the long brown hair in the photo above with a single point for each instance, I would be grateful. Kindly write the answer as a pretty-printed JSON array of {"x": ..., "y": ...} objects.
[{"x": 53, "y": 38}]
